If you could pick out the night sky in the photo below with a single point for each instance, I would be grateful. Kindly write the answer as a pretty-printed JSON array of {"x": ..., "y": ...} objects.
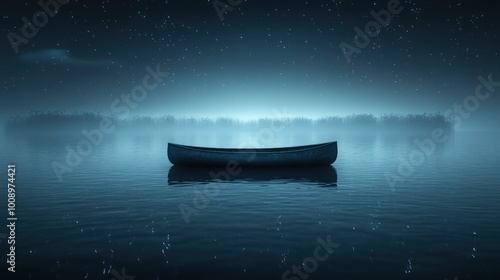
[{"x": 261, "y": 57}]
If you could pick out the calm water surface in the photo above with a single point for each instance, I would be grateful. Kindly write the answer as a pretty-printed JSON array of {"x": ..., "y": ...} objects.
[{"x": 124, "y": 211}]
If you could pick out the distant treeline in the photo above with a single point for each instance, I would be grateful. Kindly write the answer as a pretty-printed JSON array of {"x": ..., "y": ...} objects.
[{"x": 76, "y": 121}]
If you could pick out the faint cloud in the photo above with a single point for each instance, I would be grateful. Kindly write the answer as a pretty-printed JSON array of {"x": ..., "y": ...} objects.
[{"x": 61, "y": 57}]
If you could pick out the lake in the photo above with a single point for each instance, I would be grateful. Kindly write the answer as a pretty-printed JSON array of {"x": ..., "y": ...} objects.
[{"x": 384, "y": 209}]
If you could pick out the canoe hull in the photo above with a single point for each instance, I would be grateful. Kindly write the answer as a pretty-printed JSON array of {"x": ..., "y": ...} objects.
[{"x": 319, "y": 154}]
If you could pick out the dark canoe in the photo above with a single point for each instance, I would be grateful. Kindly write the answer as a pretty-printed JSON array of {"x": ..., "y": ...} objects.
[{"x": 319, "y": 154}]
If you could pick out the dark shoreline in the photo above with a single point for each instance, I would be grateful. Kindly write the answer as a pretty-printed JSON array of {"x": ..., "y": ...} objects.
[{"x": 57, "y": 121}]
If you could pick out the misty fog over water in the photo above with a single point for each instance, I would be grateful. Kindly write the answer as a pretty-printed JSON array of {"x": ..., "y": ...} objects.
[{"x": 399, "y": 202}]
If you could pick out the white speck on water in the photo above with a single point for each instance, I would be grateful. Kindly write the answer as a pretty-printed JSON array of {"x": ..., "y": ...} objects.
[{"x": 409, "y": 267}]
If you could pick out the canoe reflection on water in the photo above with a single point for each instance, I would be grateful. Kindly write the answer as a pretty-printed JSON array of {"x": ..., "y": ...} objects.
[{"x": 322, "y": 175}]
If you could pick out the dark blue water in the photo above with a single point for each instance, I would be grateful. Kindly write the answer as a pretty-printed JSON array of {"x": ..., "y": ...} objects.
[{"x": 125, "y": 211}]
